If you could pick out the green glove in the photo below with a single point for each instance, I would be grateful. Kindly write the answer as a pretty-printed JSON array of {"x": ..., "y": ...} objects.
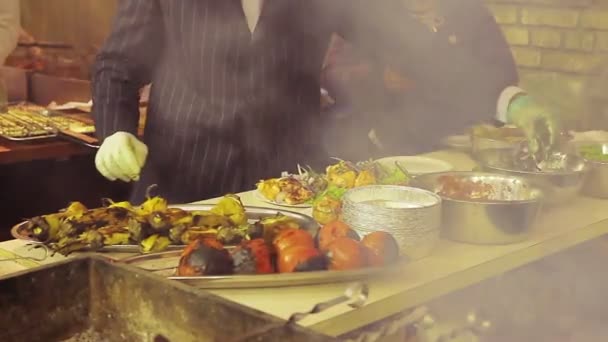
[
  {"x": 539, "y": 125},
  {"x": 121, "y": 156}
]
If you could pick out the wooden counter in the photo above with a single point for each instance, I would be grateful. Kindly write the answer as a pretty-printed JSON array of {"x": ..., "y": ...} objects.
[
  {"x": 451, "y": 267},
  {"x": 18, "y": 152}
]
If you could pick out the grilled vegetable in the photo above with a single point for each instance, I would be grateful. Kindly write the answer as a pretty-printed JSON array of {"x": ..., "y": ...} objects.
[
  {"x": 382, "y": 248},
  {"x": 327, "y": 209},
  {"x": 205, "y": 257},
  {"x": 295, "y": 258},
  {"x": 152, "y": 225},
  {"x": 271, "y": 226},
  {"x": 315, "y": 263},
  {"x": 152, "y": 204},
  {"x": 196, "y": 233},
  {"x": 342, "y": 175},
  {"x": 345, "y": 254},
  {"x": 252, "y": 257},
  {"x": 366, "y": 176},
  {"x": 332, "y": 231},
  {"x": 231, "y": 206},
  {"x": 292, "y": 237},
  {"x": 231, "y": 236},
  {"x": 154, "y": 243}
]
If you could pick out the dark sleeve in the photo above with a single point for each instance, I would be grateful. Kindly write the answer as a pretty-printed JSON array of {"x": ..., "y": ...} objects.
[
  {"x": 124, "y": 65},
  {"x": 457, "y": 77},
  {"x": 489, "y": 68}
]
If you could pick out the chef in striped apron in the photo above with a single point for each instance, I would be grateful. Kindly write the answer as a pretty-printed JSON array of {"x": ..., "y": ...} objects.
[{"x": 235, "y": 87}]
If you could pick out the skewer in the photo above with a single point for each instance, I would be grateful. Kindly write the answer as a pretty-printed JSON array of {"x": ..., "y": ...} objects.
[{"x": 33, "y": 258}]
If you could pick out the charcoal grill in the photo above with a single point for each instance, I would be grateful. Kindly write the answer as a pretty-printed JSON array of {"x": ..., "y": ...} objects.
[{"x": 92, "y": 299}]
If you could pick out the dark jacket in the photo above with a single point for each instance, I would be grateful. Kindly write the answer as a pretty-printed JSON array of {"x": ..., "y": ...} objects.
[
  {"x": 416, "y": 117},
  {"x": 226, "y": 108}
]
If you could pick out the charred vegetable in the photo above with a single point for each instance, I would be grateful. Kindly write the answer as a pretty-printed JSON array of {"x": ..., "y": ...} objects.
[
  {"x": 252, "y": 257},
  {"x": 297, "y": 258},
  {"x": 231, "y": 236},
  {"x": 205, "y": 257}
]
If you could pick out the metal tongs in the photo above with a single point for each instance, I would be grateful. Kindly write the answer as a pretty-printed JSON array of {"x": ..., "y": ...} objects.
[
  {"x": 545, "y": 148},
  {"x": 355, "y": 295}
]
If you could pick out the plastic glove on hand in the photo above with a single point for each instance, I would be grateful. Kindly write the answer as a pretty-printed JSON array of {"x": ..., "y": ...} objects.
[
  {"x": 121, "y": 156},
  {"x": 539, "y": 125}
]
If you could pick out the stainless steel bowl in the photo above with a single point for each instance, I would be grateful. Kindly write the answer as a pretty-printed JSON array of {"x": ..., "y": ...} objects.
[
  {"x": 596, "y": 183},
  {"x": 558, "y": 186},
  {"x": 507, "y": 217},
  {"x": 480, "y": 144},
  {"x": 412, "y": 216}
]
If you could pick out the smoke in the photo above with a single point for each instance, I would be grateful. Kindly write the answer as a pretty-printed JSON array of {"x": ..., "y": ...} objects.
[{"x": 558, "y": 298}]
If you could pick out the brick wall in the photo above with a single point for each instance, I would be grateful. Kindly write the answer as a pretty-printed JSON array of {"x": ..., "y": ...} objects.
[{"x": 558, "y": 46}]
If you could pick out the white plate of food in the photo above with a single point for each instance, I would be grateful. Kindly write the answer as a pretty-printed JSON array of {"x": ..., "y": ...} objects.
[
  {"x": 287, "y": 191},
  {"x": 416, "y": 165}
]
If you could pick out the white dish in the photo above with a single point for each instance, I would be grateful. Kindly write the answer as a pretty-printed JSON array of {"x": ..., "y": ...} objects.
[
  {"x": 416, "y": 165},
  {"x": 261, "y": 197},
  {"x": 461, "y": 142}
]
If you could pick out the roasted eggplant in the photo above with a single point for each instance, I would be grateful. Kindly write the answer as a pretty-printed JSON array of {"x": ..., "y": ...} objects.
[{"x": 205, "y": 257}]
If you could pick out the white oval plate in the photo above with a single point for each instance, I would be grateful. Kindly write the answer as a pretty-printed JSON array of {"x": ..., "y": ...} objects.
[
  {"x": 417, "y": 165},
  {"x": 461, "y": 142},
  {"x": 261, "y": 197}
]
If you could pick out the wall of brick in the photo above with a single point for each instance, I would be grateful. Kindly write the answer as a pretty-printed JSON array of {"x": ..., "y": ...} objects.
[{"x": 559, "y": 46}]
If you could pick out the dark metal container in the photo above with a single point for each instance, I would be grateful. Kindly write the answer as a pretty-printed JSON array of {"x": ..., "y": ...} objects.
[{"x": 91, "y": 299}]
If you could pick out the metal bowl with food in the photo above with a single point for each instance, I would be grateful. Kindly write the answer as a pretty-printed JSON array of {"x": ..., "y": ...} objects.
[
  {"x": 487, "y": 137},
  {"x": 411, "y": 215},
  {"x": 560, "y": 177},
  {"x": 596, "y": 156},
  {"x": 484, "y": 208}
]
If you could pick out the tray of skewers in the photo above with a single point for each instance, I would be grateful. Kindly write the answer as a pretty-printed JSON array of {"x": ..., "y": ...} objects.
[
  {"x": 25, "y": 122},
  {"x": 153, "y": 226}
]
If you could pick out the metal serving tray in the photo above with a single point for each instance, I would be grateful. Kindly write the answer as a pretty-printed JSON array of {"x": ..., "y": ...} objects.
[
  {"x": 165, "y": 264},
  {"x": 91, "y": 299},
  {"x": 253, "y": 214}
]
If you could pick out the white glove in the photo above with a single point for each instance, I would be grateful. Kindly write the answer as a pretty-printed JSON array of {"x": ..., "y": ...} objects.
[{"x": 121, "y": 156}]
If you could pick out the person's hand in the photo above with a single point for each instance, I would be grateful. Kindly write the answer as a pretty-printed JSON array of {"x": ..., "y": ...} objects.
[
  {"x": 121, "y": 156},
  {"x": 541, "y": 127}
]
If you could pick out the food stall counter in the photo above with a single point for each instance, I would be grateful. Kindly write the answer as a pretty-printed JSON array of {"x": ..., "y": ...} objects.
[{"x": 451, "y": 267}]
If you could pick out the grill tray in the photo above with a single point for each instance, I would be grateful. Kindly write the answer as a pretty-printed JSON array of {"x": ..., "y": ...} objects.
[{"x": 90, "y": 296}]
